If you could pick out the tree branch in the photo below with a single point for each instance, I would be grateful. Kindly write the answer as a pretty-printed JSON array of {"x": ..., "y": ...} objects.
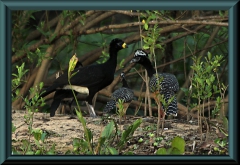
[{"x": 127, "y": 25}]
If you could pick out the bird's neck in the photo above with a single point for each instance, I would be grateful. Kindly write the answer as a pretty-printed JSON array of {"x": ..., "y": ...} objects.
[
  {"x": 149, "y": 67},
  {"x": 124, "y": 83},
  {"x": 112, "y": 61}
]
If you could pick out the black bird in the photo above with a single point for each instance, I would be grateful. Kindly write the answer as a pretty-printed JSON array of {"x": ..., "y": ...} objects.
[
  {"x": 62, "y": 95},
  {"x": 124, "y": 93},
  {"x": 90, "y": 79},
  {"x": 168, "y": 87}
]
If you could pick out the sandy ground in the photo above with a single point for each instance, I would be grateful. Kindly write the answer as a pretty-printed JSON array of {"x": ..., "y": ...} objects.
[{"x": 62, "y": 130}]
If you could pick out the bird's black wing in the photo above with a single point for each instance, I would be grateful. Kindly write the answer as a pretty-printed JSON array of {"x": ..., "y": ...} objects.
[{"x": 87, "y": 76}]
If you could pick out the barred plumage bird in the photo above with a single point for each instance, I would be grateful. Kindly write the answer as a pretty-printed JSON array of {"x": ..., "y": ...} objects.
[
  {"x": 124, "y": 93},
  {"x": 168, "y": 85}
]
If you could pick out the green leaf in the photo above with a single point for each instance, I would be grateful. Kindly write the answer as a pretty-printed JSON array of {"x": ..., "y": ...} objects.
[
  {"x": 161, "y": 151},
  {"x": 32, "y": 17},
  {"x": 158, "y": 46},
  {"x": 89, "y": 132},
  {"x": 37, "y": 143},
  {"x": 128, "y": 153},
  {"x": 108, "y": 130},
  {"x": 129, "y": 131},
  {"x": 25, "y": 145},
  {"x": 221, "y": 13},
  {"x": 38, "y": 152},
  {"x": 37, "y": 134},
  {"x": 76, "y": 142},
  {"x": 179, "y": 144},
  {"x": 209, "y": 56},
  {"x": 135, "y": 125},
  {"x": 43, "y": 136},
  {"x": 209, "y": 94},
  {"x": 145, "y": 47},
  {"x": 41, "y": 31},
  {"x": 14, "y": 75},
  {"x": 52, "y": 150},
  {"x": 208, "y": 69},
  {"x": 140, "y": 140},
  {"x": 122, "y": 63},
  {"x": 83, "y": 144},
  {"x": 30, "y": 153},
  {"x": 101, "y": 141},
  {"x": 175, "y": 151},
  {"x": 14, "y": 152},
  {"x": 68, "y": 152},
  {"x": 200, "y": 81},
  {"x": 52, "y": 37},
  {"x": 45, "y": 46},
  {"x": 146, "y": 26},
  {"x": 112, "y": 151},
  {"x": 72, "y": 63},
  {"x": 73, "y": 74},
  {"x": 80, "y": 117}
]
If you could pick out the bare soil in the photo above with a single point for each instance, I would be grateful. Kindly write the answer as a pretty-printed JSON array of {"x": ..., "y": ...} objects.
[{"x": 62, "y": 130}]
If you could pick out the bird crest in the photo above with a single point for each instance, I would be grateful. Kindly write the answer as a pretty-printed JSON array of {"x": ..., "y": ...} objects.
[
  {"x": 140, "y": 52},
  {"x": 122, "y": 75}
]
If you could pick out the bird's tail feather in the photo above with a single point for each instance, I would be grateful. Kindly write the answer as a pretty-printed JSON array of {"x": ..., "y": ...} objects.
[
  {"x": 172, "y": 107},
  {"x": 49, "y": 90},
  {"x": 110, "y": 106}
]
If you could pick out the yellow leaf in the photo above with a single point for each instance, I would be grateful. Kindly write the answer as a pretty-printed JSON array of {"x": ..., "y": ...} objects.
[{"x": 72, "y": 63}]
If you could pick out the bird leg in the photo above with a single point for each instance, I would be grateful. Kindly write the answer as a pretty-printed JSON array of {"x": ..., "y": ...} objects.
[
  {"x": 70, "y": 107},
  {"x": 91, "y": 110},
  {"x": 161, "y": 111}
]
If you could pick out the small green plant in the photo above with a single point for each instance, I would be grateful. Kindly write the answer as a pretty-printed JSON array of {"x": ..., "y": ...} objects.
[
  {"x": 151, "y": 127},
  {"x": 87, "y": 132},
  {"x": 140, "y": 140},
  {"x": 17, "y": 81},
  {"x": 120, "y": 109},
  {"x": 222, "y": 145},
  {"x": 39, "y": 135},
  {"x": 127, "y": 134},
  {"x": 27, "y": 147},
  {"x": 31, "y": 107},
  {"x": 203, "y": 78},
  {"x": 151, "y": 42},
  {"x": 37, "y": 148},
  {"x": 105, "y": 145},
  {"x": 177, "y": 147},
  {"x": 154, "y": 140},
  {"x": 221, "y": 142},
  {"x": 205, "y": 84},
  {"x": 40, "y": 56}
]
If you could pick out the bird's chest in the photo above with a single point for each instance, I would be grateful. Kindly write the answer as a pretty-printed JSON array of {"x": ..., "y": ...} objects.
[
  {"x": 155, "y": 83},
  {"x": 107, "y": 80}
]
